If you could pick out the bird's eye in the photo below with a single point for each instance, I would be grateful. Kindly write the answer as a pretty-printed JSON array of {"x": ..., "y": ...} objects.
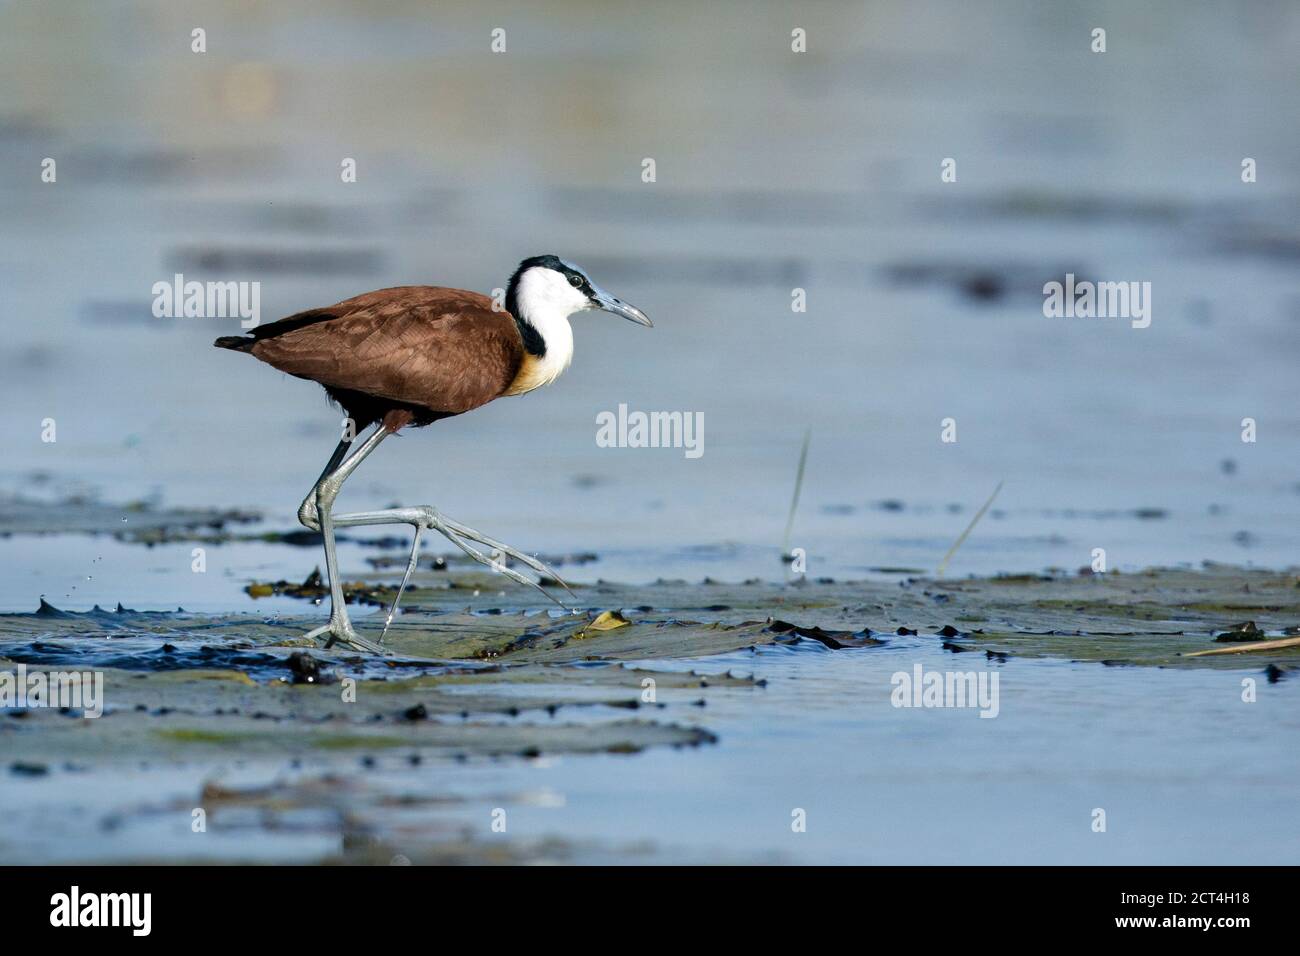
[{"x": 575, "y": 281}]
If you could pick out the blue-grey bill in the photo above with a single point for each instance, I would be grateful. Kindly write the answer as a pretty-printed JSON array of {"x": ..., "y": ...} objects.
[{"x": 607, "y": 303}]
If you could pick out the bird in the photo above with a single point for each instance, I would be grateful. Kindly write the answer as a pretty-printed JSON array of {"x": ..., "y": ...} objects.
[{"x": 409, "y": 356}]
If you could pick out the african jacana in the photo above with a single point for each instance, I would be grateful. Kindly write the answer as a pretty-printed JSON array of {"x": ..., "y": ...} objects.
[{"x": 411, "y": 356}]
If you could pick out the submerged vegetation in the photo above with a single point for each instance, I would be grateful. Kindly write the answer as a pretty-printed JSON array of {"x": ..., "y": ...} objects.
[{"x": 480, "y": 672}]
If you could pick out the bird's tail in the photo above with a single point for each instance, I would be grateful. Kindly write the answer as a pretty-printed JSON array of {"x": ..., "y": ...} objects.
[{"x": 239, "y": 343}]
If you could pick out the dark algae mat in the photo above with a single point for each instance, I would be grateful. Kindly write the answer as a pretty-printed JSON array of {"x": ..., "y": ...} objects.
[
  {"x": 481, "y": 673},
  {"x": 461, "y": 650}
]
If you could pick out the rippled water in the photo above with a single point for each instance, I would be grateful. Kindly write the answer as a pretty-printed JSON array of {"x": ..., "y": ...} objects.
[{"x": 1185, "y": 772}]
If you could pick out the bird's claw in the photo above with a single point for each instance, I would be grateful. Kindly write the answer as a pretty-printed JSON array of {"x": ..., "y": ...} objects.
[
  {"x": 341, "y": 631},
  {"x": 428, "y": 518},
  {"x": 456, "y": 533}
]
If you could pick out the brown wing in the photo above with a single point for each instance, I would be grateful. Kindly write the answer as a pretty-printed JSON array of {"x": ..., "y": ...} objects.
[{"x": 444, "y": 349}]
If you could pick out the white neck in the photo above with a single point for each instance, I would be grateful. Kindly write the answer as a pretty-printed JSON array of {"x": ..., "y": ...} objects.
[
  {"x": 554, "y": 328},
  {"x": 545, "y": 301}
]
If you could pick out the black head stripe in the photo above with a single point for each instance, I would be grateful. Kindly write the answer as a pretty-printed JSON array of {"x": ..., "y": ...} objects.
[
  {"x": 533, "y": 340},
  {"x": 534, "y": 344}
]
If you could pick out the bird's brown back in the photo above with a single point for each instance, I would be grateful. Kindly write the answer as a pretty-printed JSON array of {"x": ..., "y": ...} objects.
[{"x": 441, "y": 349}]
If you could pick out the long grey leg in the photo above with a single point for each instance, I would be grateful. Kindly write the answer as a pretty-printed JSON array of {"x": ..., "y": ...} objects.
[
  {"x": 456, "y": 533},
  {"x": 320, "y": 516},
  {"x": 307, "y": 510},
  {"x": 327, "y": 490},
  {"x": 406, "y": 579}
]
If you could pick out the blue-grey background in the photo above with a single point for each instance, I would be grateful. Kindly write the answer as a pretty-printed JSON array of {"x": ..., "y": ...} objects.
[{"x": 775, "y": 170}]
